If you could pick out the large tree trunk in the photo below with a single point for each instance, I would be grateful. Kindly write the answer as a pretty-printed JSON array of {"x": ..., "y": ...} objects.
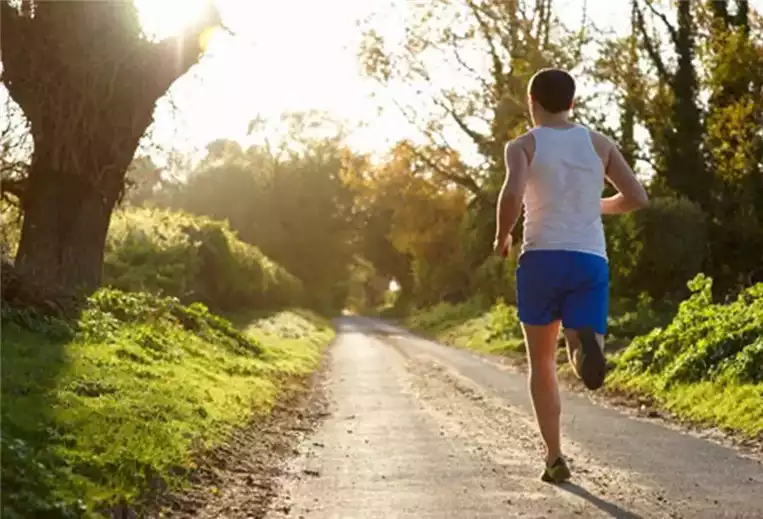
[
  {"x": 66, "y": 217},
  {"x": 87, "y": 82}
]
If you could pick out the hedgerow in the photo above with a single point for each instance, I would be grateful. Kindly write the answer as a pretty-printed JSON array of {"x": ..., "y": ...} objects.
[
  {"x": 706, "y": 341},
  {"x": 195, "y": 259}
]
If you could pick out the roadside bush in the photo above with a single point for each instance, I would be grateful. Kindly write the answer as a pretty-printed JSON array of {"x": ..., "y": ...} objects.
[
  {"x": 444, "y": 280},
  {"x": 658, "y": 249},
  {"x": 504, "y": 322},
  {"x": 443, "y": 315},
  {"x": 705, "y": 341},
  {"x": 630, "y": 318},
  {"x": 194, "y": 259},
  {"x": 495, "y": 279}
]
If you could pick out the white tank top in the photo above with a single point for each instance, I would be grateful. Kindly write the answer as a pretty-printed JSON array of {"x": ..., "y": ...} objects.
[{"x": 562, "y": 208}]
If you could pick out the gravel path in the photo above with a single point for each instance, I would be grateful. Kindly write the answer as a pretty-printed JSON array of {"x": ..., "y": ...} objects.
[{"x": 420, "y": 430}]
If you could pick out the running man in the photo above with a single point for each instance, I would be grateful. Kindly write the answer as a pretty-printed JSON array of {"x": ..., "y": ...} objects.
[{"x": 557, "y": 171}]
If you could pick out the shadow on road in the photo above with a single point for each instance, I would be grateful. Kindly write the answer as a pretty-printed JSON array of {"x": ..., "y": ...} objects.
[{"x": 605, "y": 506}]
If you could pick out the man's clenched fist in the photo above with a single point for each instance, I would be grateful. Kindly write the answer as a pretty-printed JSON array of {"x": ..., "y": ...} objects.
[{"x": 502, "y": 247}]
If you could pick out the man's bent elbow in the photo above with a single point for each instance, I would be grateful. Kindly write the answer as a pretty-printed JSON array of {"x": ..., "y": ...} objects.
[{"x": 641, "y": 201}]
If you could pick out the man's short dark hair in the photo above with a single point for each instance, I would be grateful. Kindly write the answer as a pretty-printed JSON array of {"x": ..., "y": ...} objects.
[{"x": 553, "y": 89}]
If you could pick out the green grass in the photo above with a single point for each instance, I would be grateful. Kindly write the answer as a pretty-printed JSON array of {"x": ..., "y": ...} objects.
[
  {"x": 469, "y": 325},
  {"x": 730, "y": 407},
  {"x": 101, "y": 411}
]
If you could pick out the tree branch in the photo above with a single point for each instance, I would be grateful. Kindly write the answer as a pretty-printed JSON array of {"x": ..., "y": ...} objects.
[
  {"x": 497, "y": 71},
  {"x": 483, "y": 82},
  {"x": 172, "y": 57},
  {"x": 671, "y": 30},
  {"x": 464, "y": 181},
  {"x": 662, "y": 70},
  {"x": 17, "y": 60},
  {"x": 478, "y": 139}
]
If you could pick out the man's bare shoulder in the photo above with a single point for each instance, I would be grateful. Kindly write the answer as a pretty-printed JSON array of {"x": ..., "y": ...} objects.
[
  {"x": 524, "y": 143},
  {"x": 526, "y": 139},
  {"x": 600, "y": 137},
  {"x": 602, "y": 144}
]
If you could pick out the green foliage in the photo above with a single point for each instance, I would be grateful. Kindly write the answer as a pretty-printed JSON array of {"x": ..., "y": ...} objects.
[
  {"x": 705, "y": 341},
  {"x": 629, "y": 318},
  {"x": 194, "y": 259},
  {"x": 495, "y": 279},
  {"x": 443, "y": 315},
  {"x": 473, "y": 324},
  {"x": 705, "y": 365},
  {"x": 289, "y": 201},
  {"x": 103, "y": 409},
  {"x": 658, "y": 249},
  {"x": 504, "y": 322}
]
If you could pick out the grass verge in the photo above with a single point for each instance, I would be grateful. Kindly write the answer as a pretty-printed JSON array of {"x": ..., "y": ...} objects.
[
  {"x": 114, "y": 406},
  {"x": 470, "y": 325},
  {"x": 733, "y": 408}
]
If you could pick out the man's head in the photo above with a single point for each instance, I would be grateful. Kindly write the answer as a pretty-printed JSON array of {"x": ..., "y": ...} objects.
[{"x": 551, "y": 91}]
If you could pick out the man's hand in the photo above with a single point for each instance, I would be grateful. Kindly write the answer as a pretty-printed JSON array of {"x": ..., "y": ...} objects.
[{"x": 502, "y": 248}]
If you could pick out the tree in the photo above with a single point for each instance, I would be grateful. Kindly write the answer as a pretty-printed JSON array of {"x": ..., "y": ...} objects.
[
  {"x": 143, "y": 178},
  {"x": 287, "y": 198},
  {"x": 619, "y": 64},
  {"x": 733, "y": 57},
  {"x": 469, "y": 63},
  {"x": 87, "y": 81},
  {"x": 411, "y": 218},
  {"x": 683, "y": 170},
  {"x": 698, "y": 97},
  {"x": 493, "y": 47}
]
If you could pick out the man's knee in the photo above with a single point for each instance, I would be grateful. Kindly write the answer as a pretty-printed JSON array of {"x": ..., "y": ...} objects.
[{"x": 541, "y": 342}]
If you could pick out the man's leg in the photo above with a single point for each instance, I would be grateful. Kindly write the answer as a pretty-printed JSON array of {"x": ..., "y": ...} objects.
[
  {"x": 538, "y": 304},
  {"x": 541, "y": 342},
  {"x": 574, "y": 353},
  {"x": 584, "y": 316}
]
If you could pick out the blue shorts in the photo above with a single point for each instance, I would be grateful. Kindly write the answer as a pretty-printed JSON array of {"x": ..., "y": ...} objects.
[{"x": 563, "y": 285}]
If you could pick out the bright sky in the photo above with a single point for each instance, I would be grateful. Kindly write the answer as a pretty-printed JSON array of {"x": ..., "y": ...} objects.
[{"x": 292, "y": 55}]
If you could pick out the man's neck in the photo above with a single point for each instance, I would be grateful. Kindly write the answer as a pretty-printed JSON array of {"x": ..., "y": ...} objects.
[{"x": 555, "y": 121}]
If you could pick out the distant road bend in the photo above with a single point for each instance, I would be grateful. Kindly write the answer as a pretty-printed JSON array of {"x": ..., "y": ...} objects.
[{"x": 421, "y": 430}]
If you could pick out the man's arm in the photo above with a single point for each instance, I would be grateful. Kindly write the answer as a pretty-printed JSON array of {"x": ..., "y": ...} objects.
[
  {"x": 632, "y": 194},
  {"x": 510, "y": 198}
]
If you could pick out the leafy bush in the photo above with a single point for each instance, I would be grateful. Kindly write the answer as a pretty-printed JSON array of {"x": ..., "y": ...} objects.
[
  {"x": 504, "y": 322},
  {"x": 705, "y": 341},
  {"x": 658, "y": 249},
  {"x": 630, "y": 318},
  {"x": 194, "y": 259},
  {"x": 102, "y": 409},
  {"x": 474, "y": 325},
  {"x": 496, "y": 280},
  {"x": 443, "y": 315}
]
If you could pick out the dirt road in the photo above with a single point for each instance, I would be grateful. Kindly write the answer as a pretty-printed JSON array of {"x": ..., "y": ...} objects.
[{"x": 420, "y": 430}]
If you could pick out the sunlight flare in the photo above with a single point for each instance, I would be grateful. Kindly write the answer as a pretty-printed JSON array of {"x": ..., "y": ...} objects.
[{"x": 164, "y": 18}]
